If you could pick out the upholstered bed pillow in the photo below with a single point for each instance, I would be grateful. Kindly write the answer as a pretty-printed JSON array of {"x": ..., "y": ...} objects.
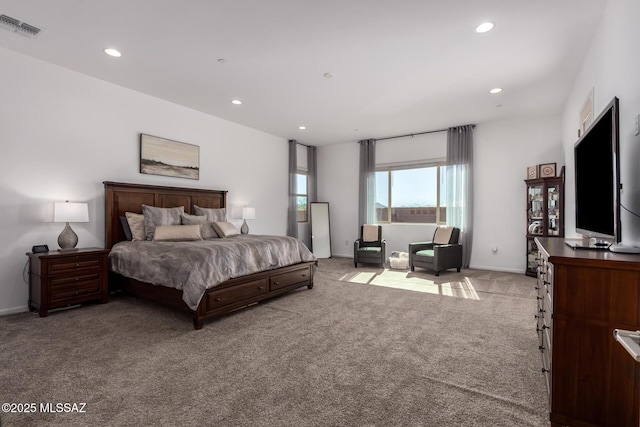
[
  {"x": 225, "y": 229},
  {"x": 177, "y": 233},
  {"x": 126, "y": 228},
  {"x": 211, "y": 214},
  {"x": 154, "y": 216},
  {"x": 206, "y": 227},
  {"x": 136, "y": 225}
]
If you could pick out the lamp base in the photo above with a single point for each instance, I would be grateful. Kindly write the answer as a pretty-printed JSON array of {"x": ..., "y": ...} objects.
[
  {"x": 68, "y": 239},
  {"x": 245, "y": 228}
]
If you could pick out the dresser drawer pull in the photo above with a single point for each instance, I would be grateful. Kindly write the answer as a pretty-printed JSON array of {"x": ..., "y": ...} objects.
[
  {"x": 544, "y": 370},
  {"x": 541, "y": 347},
  {"x": 77, "y": 279},
  {"x": 77, "y": 265},
  {"x": 260, "y": 287},
  {"x": 545, "y": 327},
  {"x": 547, "y": 283},
  {"x": 217, "y": 300},
  {"x": 304, "y": 275},
  {"x": 277, "y": 283}
]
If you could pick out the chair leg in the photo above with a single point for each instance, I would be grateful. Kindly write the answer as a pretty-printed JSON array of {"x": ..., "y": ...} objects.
[
  {"x": 437, "y": 273},
  {"x": 355, "y": 264},
  {"x": 458, "y": 269},
  {"x": 413, "y": 268}
]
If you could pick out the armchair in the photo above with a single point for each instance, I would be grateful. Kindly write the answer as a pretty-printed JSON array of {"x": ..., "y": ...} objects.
[
  {"x": 442, "y": 253},
  {"x": 370, "y": 247}
]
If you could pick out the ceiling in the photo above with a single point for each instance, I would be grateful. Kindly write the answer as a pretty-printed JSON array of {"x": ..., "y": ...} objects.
[{"x": 399, "y": 67}]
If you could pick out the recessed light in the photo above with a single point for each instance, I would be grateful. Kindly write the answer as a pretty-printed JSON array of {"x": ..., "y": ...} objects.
[
  {"x": 221, "y": 61},
  {"x": 485, "y": 27},
  {"x": 112, "y": 52},
  {"x": 328, "y": 75},
  {"x": 302, "y": 127},
  {"x": 496, "y": 90},
  {"x": 236, "y": 102}
]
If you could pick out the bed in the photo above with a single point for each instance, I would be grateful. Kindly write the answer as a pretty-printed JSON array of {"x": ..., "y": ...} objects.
[{"x": 234, "y": 292}]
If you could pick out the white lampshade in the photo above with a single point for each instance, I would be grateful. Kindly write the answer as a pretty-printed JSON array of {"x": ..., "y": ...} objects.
[
  {"x": 70, "y": 212},
  {"x": 248, "y": 213}
]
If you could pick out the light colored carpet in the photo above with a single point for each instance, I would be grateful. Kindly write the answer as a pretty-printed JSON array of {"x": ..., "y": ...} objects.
[{"x": 458, "y": 350}]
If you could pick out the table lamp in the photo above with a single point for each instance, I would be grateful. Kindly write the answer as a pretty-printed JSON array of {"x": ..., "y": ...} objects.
[{"x": 69, "y": 212}]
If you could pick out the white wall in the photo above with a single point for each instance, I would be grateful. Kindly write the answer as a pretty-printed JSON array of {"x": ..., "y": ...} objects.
[
  {"x": 502, "y": 152},
  {"x": 64, "y": 133},
  {"x": 611, "y": 68}
]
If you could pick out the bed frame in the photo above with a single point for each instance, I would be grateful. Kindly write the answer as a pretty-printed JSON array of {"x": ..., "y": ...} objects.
[{"x": 221, "y": 299}]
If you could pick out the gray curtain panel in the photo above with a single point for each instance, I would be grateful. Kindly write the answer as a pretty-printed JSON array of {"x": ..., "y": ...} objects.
[
  {"x": 459, "y": 174},
  {"x": 292, "y": 219},
  {"x": 367, "y": 193},
  {"x": 312, "y": 182}
]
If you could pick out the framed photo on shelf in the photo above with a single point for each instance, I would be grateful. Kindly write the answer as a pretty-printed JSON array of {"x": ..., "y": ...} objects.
[
  {"x": 532, "y": 172},
  {"x": 547, "y": 170}
]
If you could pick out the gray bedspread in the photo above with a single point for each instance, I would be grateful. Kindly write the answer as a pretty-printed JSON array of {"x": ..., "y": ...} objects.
[{"x": 194, "y": 267}]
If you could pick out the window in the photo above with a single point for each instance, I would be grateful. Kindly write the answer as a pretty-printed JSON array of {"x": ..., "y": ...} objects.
[
  {"x": 301, "y": 196},
  {"x": 411, "y": 194}
]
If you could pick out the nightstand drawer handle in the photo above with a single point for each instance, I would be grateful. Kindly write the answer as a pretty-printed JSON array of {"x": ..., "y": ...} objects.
[
  {"x": 77, "y": 279},
  {"x": 77, "y": 265},
  {"x": 217, "y": 300}
]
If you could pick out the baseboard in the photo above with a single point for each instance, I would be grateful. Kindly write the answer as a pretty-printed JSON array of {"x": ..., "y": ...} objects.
[
  {"x": 14, "y": 310},
  {"x": 349, "y": 255},
  {"x": 505, "y": 270}
]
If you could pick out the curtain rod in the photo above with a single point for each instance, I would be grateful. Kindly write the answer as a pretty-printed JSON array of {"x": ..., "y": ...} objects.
[
  {"x": 300, "y": 143},
  {"x": 414, "y": 134}
]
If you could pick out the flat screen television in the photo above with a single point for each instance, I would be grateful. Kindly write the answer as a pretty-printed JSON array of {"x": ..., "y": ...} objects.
[{"x": 597, "y": 181}]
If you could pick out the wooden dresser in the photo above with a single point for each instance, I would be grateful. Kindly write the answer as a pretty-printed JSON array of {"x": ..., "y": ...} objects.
[
  {"x": 583, "y": 295},
  {"x": 61, "y": 278}
]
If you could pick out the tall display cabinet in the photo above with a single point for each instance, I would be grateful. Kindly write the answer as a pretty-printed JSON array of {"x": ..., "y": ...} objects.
[{"x": 545, "y": 214}]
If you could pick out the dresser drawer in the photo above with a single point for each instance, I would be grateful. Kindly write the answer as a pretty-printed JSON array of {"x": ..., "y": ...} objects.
[
  {"x": 81, "y": 291},
  {"x": 56, "y": 283},
  {"x": 69, "y": 265},
  {"x": 284, "y": 280},
  {"x": 236, "y": 293}
]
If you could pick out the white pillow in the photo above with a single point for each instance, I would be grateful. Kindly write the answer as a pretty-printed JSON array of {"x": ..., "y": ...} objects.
[
  {"x": 177, "y": 233},
  {"x": 136, "y": 225},
  {"x": 206, "y": 227},
  {"x": 225, "y": 229},
  {"x": 443, "y": 235}
]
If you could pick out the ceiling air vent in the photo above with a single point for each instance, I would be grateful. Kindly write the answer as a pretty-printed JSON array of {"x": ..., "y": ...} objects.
[{"x": 19, "y": 27}]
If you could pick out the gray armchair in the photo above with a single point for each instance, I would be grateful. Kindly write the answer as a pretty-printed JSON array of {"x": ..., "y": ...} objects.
[
  {"x": 368, "y": 250},
  {"x": 442, "y": 253}
]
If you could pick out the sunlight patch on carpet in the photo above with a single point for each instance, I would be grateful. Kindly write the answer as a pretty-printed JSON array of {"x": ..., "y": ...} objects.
[{"x": 402, "y": 280}]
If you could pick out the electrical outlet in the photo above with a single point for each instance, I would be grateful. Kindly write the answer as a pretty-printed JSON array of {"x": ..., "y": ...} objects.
[{"x": 346, "y": 243}]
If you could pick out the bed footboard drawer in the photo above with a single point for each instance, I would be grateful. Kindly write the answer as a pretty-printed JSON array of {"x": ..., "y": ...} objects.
[
  {"x": 279, "y": 281},
  {"x": 236, "y": 294}
]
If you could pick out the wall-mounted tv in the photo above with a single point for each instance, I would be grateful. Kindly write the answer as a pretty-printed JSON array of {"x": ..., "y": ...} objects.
[{"x": 597, "y": 181}]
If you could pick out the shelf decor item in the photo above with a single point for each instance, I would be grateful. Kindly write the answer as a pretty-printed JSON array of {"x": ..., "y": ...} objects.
[
  {"x": 547, "y": 170},
  {"x": 69, "y": 212},
  {"x": 532, "y": 172}
]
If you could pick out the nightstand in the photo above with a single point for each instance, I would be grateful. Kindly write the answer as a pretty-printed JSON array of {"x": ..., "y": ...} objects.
[{"x": 61, "y": 278}]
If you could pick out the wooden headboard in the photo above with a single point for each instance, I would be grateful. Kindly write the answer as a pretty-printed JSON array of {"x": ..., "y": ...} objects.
[{"x": 123, "y": 197}]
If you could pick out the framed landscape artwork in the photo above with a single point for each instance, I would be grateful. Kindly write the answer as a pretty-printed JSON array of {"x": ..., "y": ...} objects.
[{"x": 160, "y": 156}]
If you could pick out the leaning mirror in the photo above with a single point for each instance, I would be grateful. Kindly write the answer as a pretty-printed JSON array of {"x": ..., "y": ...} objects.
[{"x": 320, "y": 230}]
